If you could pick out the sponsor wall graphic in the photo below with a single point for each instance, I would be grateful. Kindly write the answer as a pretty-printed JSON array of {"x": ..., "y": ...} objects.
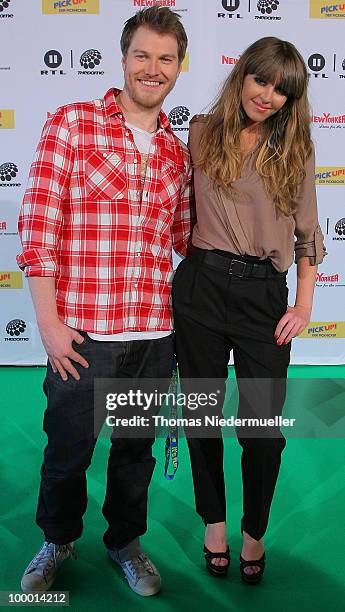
[
  {"x": 328, "y": 329},
  {"x": 68, "y": 7},
  {"x": 6, "y": 9},
  {"x": 330, "y": 175},
  {"x": 321, "y": 9},
  {"x": 7, "y": 118},
  {"x": 11, "y": 280},
  {"x": 74, "y": 59}
]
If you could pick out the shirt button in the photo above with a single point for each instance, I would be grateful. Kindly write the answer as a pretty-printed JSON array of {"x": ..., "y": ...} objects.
[
  {"x": 135, "y": 285},
  {"x": 138, "y": 252},
  {"x": 135, "y": 161},
  {"x": 104, "y": 155}
]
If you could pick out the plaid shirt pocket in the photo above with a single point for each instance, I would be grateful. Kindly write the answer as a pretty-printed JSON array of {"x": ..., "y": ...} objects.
[{"x": 105, "y": 176}]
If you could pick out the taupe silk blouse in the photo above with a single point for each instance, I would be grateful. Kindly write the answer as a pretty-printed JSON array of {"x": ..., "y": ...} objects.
[{"x": 248, "y": 222}]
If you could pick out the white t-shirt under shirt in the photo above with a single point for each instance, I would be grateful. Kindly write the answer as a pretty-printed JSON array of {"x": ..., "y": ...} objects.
[{"x": 143, "y": 141}]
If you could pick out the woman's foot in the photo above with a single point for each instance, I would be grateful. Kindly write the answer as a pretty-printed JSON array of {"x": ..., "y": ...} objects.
[
  {"x": 252, "y": 550},
  {"x": 215, "y": 541}
]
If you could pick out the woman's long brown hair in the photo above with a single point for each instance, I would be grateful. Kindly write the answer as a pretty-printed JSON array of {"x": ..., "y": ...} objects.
[{"x": 281, "y": 167}]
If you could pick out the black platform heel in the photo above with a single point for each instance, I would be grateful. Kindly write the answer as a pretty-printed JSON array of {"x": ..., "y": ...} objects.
[
  {"x": 252, "y": 578},
  {"x": 217, "y": 570}
]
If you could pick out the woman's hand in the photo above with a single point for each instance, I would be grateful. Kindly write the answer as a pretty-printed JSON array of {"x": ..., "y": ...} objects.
[{"x": 292, "y": 324}]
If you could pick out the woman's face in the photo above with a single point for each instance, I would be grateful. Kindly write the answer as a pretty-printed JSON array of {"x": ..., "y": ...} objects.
[{"x": 261, "y": 99}]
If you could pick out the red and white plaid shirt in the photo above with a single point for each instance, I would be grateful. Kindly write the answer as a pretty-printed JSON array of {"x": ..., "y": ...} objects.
[{"x": 87, "y": 221}]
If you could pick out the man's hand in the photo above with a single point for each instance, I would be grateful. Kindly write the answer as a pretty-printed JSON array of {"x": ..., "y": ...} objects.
[
  {"x": 57, "y": 339},
  {"x": 292, "y": 324}
]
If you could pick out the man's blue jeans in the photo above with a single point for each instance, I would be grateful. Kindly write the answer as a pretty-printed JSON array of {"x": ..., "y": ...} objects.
[{"x": 69, "y": 425}]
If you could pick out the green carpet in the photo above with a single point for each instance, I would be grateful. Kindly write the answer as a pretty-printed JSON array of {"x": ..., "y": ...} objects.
[{"x": 304, "y": 542}]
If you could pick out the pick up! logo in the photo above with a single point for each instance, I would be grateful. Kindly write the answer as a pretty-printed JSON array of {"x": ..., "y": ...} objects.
[
  {"x": 321, "y": 9},
  {"x": 54, "y": 7},
  {"x": 330, "y": 175}
]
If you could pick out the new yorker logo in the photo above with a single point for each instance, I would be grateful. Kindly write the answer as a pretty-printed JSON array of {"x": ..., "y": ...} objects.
[
  {"x": 328, "y": 121},
  {"x": 328, "y": 280},
  {"x": 231, "y": 8},
  {"x": 4, "y": 5},
  {"x": 226, "y": 60},
  {"x": 8, "y": 172},
  {"x": 267, "y": 10},
  {"x": 144, "y": 3},
  {"x": 5, "y": 230},
  {"x": 178, "y": 118}
]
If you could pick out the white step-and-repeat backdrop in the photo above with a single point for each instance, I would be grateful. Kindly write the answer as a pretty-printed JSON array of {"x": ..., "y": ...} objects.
[{"x": 54, "y": 52}]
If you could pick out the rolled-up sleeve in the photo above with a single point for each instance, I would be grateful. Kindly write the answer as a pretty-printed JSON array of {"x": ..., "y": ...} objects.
[
  {"x": 40, "y": 220},
  {"x": 309, "y": 238}
]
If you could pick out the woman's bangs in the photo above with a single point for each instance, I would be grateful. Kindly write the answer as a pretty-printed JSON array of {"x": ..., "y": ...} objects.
[{"x": 284, "y": 74}]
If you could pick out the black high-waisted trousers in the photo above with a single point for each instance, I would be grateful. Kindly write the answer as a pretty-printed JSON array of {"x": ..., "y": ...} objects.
[{"x": 216, "y": 312}]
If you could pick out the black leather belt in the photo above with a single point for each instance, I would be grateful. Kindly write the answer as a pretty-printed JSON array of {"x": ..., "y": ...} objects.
[{"x": 233, "y": 265}]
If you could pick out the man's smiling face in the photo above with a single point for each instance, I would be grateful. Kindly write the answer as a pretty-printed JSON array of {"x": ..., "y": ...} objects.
[{"x": 151, "y": 67}]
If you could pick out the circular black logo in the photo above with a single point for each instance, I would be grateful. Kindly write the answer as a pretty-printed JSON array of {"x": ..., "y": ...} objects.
[
  {"x": 8, "y": 171},
  {"x": 267, "y": 6},
  {"x": 4, "y": 4},
  {"x": 179, "y": 115},
  {"x": 53, "y": 59},
  {"x": 15, "y": 327},
  {"x": 90, "y": 59},
  {"x": 230, "y": 5},
  {"x": 316, "y": 62},
  {"x": 340, "y": 227}
]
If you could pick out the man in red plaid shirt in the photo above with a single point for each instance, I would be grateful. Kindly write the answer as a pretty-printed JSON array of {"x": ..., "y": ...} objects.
[{"x": 107, "y": 199}]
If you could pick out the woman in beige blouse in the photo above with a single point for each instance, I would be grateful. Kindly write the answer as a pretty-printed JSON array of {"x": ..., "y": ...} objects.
[{"x": 256, "y": 207}]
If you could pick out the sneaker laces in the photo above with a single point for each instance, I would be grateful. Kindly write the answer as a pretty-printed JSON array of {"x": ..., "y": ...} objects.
[
  {"x": 46, "y": 559},
  {"x": 141, "y": 566}
]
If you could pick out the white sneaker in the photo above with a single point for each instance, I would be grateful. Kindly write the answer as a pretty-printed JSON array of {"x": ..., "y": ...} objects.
[
  {"x": 142, "y": 576},
  {"x": 41, "y": 572}
]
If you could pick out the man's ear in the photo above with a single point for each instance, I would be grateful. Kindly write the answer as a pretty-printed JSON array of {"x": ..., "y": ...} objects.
[{"x": 123, "y": 63}]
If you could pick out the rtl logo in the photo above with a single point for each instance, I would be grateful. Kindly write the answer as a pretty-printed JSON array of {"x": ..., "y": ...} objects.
[
  {"x": 53, "y": 61},
  {"x": 231, "y": 7},
  {"x": 316, "y": 63}
]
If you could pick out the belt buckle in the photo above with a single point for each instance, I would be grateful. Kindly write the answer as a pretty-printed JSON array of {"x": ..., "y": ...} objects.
[{"x": 237, "y": 261}]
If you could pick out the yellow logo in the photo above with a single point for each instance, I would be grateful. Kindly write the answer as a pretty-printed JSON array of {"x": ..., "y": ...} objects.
[
  {"x": 330, "y": 175},
  {"x": 328, "y": 329},
  {"x": 11, "y": 280},
  {"x": 321, "y": 9},
  {"x": 185, "y": 63},
  {"x": 54, "y": 7},
  {"x": 6, "y": 118}
]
